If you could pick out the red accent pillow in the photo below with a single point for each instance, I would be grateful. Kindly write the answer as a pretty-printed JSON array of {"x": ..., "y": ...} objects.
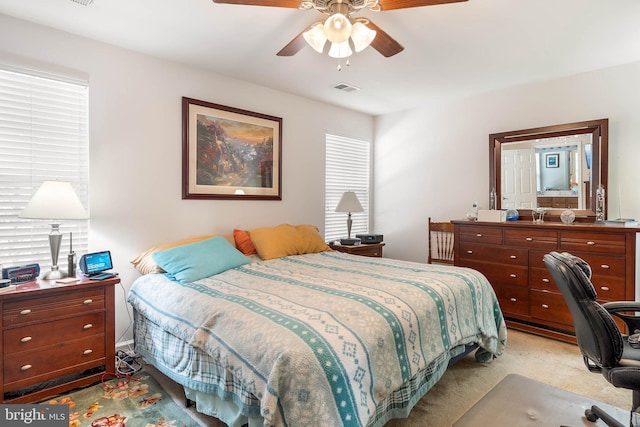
[{"x": 243, "y": 242}]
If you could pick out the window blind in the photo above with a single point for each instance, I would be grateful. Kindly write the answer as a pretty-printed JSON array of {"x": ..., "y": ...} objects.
[
  {"x": 43, "y": 136},
  {"x": 346, "y": 169}
]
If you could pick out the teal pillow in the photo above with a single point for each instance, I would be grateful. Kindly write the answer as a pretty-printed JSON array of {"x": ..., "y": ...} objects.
[{"x": 194, "y": 261}]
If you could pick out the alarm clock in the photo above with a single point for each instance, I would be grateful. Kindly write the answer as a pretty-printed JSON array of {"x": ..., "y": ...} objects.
[{"x": 25, "y": 273}]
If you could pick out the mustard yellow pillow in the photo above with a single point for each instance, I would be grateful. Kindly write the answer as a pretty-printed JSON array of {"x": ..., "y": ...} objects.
[
  {"x": 145, "y": 263},
  {"x": 286, "y": 239}
]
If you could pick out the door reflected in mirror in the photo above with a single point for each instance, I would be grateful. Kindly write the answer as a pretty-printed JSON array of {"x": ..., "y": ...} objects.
[{"x": 553, "y": 167}]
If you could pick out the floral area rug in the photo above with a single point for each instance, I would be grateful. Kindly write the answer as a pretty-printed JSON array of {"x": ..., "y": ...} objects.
[{"x": 124, "y": 402}]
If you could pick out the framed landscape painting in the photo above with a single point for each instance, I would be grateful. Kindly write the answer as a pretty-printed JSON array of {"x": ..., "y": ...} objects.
[{"x": 230, "y": 153}]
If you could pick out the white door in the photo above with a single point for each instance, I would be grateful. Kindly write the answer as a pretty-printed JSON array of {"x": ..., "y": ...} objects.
[{"x": 518, "y": 179}]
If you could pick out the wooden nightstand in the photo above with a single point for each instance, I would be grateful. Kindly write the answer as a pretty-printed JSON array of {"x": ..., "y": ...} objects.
[
  {"x": 55, "y": 337},
  {"x": 371, "y": 249}
]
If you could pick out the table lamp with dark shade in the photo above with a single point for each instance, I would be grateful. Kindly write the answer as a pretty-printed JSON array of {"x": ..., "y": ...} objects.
[
  {"x": 55, "y": 201},
  {"x": 349, "y": 203}
]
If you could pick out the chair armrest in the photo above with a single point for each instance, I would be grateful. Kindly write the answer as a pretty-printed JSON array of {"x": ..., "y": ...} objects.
[{"x": 632, "y": 321}]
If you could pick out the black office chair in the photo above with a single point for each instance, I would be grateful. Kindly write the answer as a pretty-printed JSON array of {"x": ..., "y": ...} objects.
[{"x": 604, "y": 348}]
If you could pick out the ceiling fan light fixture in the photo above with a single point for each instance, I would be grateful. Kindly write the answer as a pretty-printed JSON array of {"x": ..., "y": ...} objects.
[
  {"x": 340, "y": 50},
  {"x": 362, "y": 36},
  {"x": 337, "y": 28},
  {"x": 315, "y": 37}
]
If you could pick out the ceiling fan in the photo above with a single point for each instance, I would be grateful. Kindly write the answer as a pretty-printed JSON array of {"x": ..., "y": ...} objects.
[{"x": 341, "y": 28}]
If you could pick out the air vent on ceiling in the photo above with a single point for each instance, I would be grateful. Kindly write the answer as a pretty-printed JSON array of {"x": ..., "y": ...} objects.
[
  {"x": 83, "y": 2},
  {"x": 345, "y": 87}
]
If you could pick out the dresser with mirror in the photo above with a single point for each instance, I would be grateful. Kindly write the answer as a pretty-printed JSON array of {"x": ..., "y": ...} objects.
[{"x": 557, "y": 168}]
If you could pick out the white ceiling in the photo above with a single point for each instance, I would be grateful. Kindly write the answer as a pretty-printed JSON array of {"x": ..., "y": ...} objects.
[{"x": 450, "y": 51}]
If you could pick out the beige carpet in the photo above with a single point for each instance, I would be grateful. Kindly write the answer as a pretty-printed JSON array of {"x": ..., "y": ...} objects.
[{"x": 549, "y": 361}]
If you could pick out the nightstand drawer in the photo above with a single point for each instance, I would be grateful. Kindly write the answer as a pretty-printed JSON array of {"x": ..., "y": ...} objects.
[
  {"x": 31, "y": 367},
  {"x": 366, "y": 249},
  {"x": 52, "y": 307},
  {"x": 44, "y": 334}
]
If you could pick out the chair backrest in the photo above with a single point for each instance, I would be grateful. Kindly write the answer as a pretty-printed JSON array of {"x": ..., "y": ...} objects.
[
  {"x": 440, "y": 242},
  {"x": 598, "y": 336}
]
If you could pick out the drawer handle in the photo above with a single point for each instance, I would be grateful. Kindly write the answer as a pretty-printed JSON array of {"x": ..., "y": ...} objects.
[
  {"x": 545, "y": 306},
  {"x": 513, "y": 275},
  {"x": 529, "y": 239},
  {"x": 605, "y": 266},
  {"x": 87, "y": 301},
  {"x": 479, "y": 235},
  {"x": 590, "y": 243},
  {"x": 605, "y": 288},
  {"x": 87, "y": 326},
  {"x": 469, "y": 251},
  {"x": 87, "y": 352},
  {"x": 513, "y": 257},
  {"x": 24, "y": 312},
  {"x": 25, "y": 339},
  {"x": 513, "y": 299},
  {"x": 25, "y": 367},
  {"x": 545, "y": 280}
]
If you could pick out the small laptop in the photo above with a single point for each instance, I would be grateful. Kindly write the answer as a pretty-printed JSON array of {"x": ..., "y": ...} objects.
[{"x": 95, "y": 265}]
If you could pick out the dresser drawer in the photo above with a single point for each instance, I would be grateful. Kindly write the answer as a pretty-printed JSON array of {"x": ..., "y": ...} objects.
[
  {"x": 501, "y": 273},
  {"x": 550, "y": 306},
  {"x": 32, "y": 367},
  {"x": 31, "y": 337},
  {"x": 603, "y": 265},
  {"x": 52, "y": 307},
  {"x": 541, "y": 279},
  {"x": 543, "y": 239},
  {"x": 536, "y": 258},
  {"x": 610, "y": 243},
  {"x": 499, "y": 254},
  {"x": 513, "y": 299},
  {"x": 479, "y": 234}
]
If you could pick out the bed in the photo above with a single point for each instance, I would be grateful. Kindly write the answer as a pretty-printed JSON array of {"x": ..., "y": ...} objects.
[{"x": 291, "y": 340}]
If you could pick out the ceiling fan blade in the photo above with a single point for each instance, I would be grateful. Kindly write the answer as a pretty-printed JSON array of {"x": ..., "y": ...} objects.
[
  {"x": 383, "y": 42},
  {"x": 295, "y": 45},
  {"x": 293, "y": 4},
  {"x": 405, "y": 4}
]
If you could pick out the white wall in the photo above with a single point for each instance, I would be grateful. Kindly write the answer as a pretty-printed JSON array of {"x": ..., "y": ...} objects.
[
  {"x": 136, "y": 151},
  {"x": 434, "y": 161}
]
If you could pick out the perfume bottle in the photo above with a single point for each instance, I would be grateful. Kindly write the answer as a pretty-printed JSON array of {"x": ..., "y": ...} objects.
[
  {"x": 71, "y": 258},
  {"x": 492, "y": 199},
  {"x": 600, "y": 204}
]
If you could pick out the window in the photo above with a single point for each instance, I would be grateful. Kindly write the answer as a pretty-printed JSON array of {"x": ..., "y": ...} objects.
[
  {"x": 43, "y": 136},
  {"x": 346, "y": 169}
]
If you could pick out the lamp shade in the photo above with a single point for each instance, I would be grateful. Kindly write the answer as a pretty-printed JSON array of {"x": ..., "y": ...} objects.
[
  {"x": 55, "y": 200},
  {"x": 349, "y": 203},
  {"x": 337, "y": 28},
  {"x": 315, "y": 37},
  {"x": 362, "y": 36},
  {"x": 340, "y": 50}
]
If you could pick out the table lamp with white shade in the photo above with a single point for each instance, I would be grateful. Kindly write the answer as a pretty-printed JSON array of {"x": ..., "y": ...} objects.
[
  {"x": 349, "y": 203},
  {"x": 55, "y": 201}
]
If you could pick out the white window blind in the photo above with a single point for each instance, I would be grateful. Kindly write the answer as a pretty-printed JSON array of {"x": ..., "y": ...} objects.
[
  {"x": 346, "y": 169},
  {"x": 43, "y": 136}
]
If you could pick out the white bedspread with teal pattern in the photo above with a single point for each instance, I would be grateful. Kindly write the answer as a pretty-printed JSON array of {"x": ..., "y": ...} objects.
[{"x": 326, "y": 336}]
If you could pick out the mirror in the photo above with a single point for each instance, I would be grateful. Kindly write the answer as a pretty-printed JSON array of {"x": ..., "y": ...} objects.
[{"x": 554, "y": 167}]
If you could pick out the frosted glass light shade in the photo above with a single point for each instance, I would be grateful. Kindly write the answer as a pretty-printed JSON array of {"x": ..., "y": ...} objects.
[
  {"x": 362, "y": 36},
  {"x": 337, "y": 28},
  {"x": 315, "y": 37},
  {"x": 340, "y": 50},
  {"x": 55, "y": 200}
]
